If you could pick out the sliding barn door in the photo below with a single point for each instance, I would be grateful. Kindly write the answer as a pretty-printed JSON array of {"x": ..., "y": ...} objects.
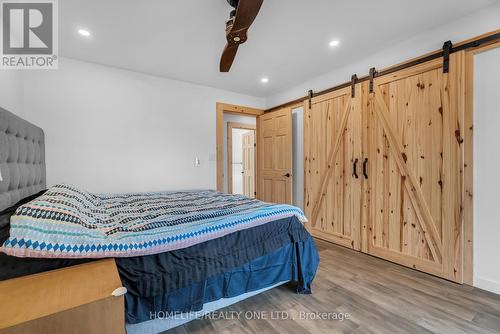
[
  {"x": 249, "y": 164},
  {"x": 413, "y": 145},
  {"x": 332, "y": 153},
  {"x": 274, "y": 149}
]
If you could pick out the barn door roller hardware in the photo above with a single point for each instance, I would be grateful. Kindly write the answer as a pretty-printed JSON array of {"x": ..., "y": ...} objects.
[
  {"x": 372, "y": 74},
  {"x": 354, "y": 81},
  {"x": 447, "y": 49},
  {"x": 310, "y": 96}
]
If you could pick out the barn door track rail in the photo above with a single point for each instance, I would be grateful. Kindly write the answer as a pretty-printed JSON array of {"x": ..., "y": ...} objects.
[{"x": 448, "y": 49}]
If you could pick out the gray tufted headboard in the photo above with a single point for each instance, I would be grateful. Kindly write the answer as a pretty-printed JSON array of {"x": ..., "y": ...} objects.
[{"x": 22, "y": 159}]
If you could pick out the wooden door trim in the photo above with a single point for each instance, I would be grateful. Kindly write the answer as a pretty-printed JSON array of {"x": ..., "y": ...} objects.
[
  {"x": 468, "y": 265},
  {"x": 221, "y": 109},
  {"x": 468, "y": 191},
  {"x": 230, "y": 127}
]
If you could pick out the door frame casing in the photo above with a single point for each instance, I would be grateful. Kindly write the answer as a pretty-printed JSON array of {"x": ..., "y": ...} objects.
[
  {"x": 221, "y": 109},
  {"x": 230, "y": 127}
]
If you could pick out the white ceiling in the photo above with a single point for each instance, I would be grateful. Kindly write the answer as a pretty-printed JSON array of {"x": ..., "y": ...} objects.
[{"x": 288, "y": 41}]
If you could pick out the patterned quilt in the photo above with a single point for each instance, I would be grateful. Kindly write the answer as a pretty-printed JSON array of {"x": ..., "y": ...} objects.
[{"x": 67, "y": 222}]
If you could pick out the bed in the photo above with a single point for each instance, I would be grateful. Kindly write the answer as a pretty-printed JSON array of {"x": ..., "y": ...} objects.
[{"x": 178, "y": 254}]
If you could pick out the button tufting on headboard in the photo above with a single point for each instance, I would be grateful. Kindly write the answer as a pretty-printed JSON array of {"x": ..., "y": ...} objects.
[{"x": 22, "y": 159}]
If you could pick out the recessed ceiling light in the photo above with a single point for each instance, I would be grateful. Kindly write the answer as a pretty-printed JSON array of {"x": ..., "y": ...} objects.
[
  {"x": 84, "y": 32},
  {"x": 334, "y": 43},
  {"x": 264, "y": 80}
]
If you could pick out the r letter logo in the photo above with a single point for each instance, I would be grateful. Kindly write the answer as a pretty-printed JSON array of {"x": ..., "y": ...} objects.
[{"x": 29, "y": 34}]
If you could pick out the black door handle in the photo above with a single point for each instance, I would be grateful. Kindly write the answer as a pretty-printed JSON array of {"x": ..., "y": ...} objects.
[
  {"x": 355, "y": 168},
  {"x": 287, "y": 175},
  {"x": 365, "y": 168}
]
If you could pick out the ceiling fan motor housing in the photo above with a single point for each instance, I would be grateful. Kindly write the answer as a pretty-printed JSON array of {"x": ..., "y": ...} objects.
[
  {"x": 237, "y": 37},
  {"x": 233, "y": 3}
]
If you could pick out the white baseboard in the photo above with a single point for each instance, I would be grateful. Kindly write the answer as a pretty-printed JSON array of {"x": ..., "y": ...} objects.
[{"x": 486, "y": 284}]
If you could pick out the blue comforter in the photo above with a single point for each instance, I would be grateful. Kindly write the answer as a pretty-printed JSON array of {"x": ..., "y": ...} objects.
[{"x": 245, "y": 261}]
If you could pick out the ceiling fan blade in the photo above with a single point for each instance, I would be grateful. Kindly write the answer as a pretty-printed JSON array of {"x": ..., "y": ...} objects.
[
  {"x": 228, "y": 55},
  {"x": 236, "y": 29},
  {"x": 246, "y": 12}
]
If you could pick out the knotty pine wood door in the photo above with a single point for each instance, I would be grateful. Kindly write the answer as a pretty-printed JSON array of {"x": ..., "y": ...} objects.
[
  {"x": 414, "y": 122},
  {"x": 275, "y": 151},
  {"x": 332, "y": 148},
  {"x": 406, "y": 136}
]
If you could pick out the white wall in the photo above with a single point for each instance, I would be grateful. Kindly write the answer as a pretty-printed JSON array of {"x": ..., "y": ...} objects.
[
  {"x": 251, "y": 120},
  {"x": 486, "y": 170},
  {"x": 473, "y": 25},
  {"x": 11, "y": 91},
  {"x": 298, "y": 157},
  {"x": 110, "y": 130}
]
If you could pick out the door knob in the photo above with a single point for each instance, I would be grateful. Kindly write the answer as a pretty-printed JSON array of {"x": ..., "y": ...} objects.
[{"x": 287, "y": 175}]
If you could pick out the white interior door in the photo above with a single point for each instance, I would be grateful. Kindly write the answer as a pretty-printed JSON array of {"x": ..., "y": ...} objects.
[{"x": 248, "y": 172}]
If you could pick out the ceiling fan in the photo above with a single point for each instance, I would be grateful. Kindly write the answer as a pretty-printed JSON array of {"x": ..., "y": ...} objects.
[{"x": 240, "y": 19}]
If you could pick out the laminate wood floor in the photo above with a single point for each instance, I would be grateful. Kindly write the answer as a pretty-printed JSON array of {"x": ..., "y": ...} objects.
[{"x": 380, "y": 297}]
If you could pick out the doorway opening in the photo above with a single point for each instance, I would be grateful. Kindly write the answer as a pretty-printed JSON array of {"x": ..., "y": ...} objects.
[
  {"x": 257, "y": 161},
  {"x": 241, "y": 159},
  {"x": 232, "y": 122}
]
